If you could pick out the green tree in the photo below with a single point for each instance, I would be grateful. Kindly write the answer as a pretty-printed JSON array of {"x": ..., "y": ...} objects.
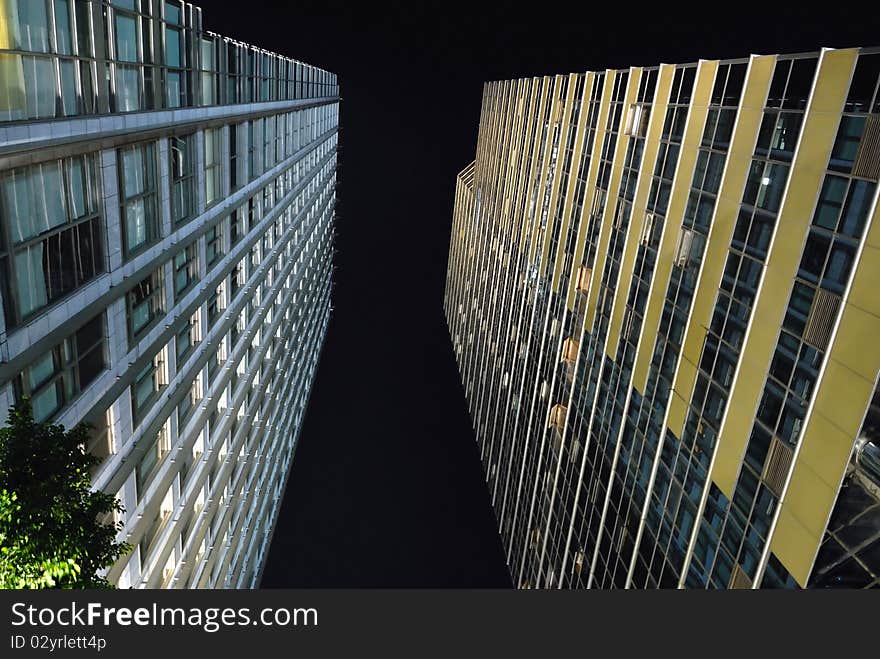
[{"x": 50, "y": 532}]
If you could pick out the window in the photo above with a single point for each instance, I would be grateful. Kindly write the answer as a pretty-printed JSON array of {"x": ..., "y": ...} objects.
[
  {"x": 846, "y": 145},
  {"x": 779, "y": 133},
  {"x": 182, "y": 151},
  {"x": 269, "y": 128},
  {"x": 129, "y": 48},
  {"x": 236, "y": 225},
  {"x": 101, "y": 442},
  {"x": 163, "y": 514},
  {"x": 186, "y": 269},
  {"x": 214, "y": 243},
  {"x": 268, "y": 198},
  {"x": 190, "y": 401},
  {"x": 255, "y": 150},
  {"x": 238, "y": 277},
  {"x": 50, "y": 216},
  {"x": 213, "y": 165},
  {"x": 765, "y": 185},
  {"x": 236, "y": 176},
  {"x": 188, "y": 335},
  {"x": 216, "y": 304},
  {"x": 158, "y": 448},
  {"x": 146, "y": 303},
  {"x": 175, "y": 58},
  {"x": 29, "y": 84},
  {"x": 147, "y": 385},
  {"x": 253, "y": 212},
  {"x": 137, "y": 186},
  {"x": 61, "y": 374},
  {"x": 637, "y": 120},
  {"x": 685, "y": 239},
  {"x": 208, "y": 77}
]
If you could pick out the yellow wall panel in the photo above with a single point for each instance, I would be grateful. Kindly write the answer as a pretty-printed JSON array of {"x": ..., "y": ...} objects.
[
  {"x": 676, "y": 413},
  {"x": 857, "y": 345},
  {"x": 632, "y": 88},
  {"x": 809, "y": 500},
  {"x": 832, "y": 448},
  {"x": 788, "y": 542},
  {"x": 639, "y": 206},
  {"x": 864, "y": 293},
  {"x": 681, "y": 183},
  {"x": 588, "y": 148},
  {"x": 843, "y": 396},
  {"x": 568, "y": 199},
  {"x": 684, "y": 383},
  {"x": 805, "y": 178}
]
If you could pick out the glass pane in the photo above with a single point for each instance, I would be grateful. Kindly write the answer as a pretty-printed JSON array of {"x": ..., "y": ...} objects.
[
  {"x": 39, "y": 78},
  {"x": 17, "y": 201},
  {"x": 13, "y": 104},
  {"x": 46, "y": 402},
  {"x": 68, "y": 87},
  {"x": 31, "y": 279},
  {"x": 126, "y": 39},
  {"x": 839, "y": 265},
  {"x": 785, "y": 135},
  {"x": 771, "y": 187},
  {"x": 207, "y": 52},
  {"x": 41, "y": 370},
  {"x": 62, "y": 27},
  {"x": 173, "y": 92},
  {"x": 140, "y": 316},
  {"x": 135, "y": 224},
  {"x": 133, "y": 171},
  {"x": 83, "y": 26},
  {"x": 91, "y": 366},
  {"x": 31, "y": 30},
  {"x": 847, "y": 143},
  {"x": 127, "y": 88},
  {"x": 172, "y": 13},
  {"x": 858, "y": 204},
  {"x": 78, "y": 191},
  {"x": 830, "y": 200},
  {"x": 208, "y": 89},
  {"x": 172, "y": 47},
  {"x": 49, "y": 196},
  {"x": 814, "y": 257}
]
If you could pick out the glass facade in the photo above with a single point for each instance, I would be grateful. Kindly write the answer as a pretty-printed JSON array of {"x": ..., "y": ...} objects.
[
  {"x": 619, "y": 289},
  {"x": 170, "y": 282},
  {"x": 63, "y": 58}
]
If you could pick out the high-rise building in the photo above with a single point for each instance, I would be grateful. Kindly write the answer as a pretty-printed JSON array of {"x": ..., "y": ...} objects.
[
  {"x": 166, "y": 228},
  {"x": 661, "y": 297}
]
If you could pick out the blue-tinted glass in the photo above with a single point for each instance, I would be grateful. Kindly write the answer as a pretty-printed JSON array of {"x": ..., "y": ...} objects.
[
  {"x": 772, "y": 185},
  {"x": 813, "y": 259},
  {"x": 792, "y": 418},
  {"x": 771, "y": 404},
  {"x": 126, "y": 39},
  {"x": 839, "y": 265},
  {"x": 830, "y": 202},
  {"x": 172, "y": 47},
  {"x": 756, "y": 451},
  {"x": 62, "y": 27},
  {"x": 858, "y": 203},
  {"x": 31, "y": 30},
  {"x": 724, "y": 129},
  {"x": 847, "y": 143},
  {"x": 172, "y": 13}
]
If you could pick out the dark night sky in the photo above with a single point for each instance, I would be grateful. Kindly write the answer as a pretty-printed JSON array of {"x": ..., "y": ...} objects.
[{"x": 386, "y": 488}]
